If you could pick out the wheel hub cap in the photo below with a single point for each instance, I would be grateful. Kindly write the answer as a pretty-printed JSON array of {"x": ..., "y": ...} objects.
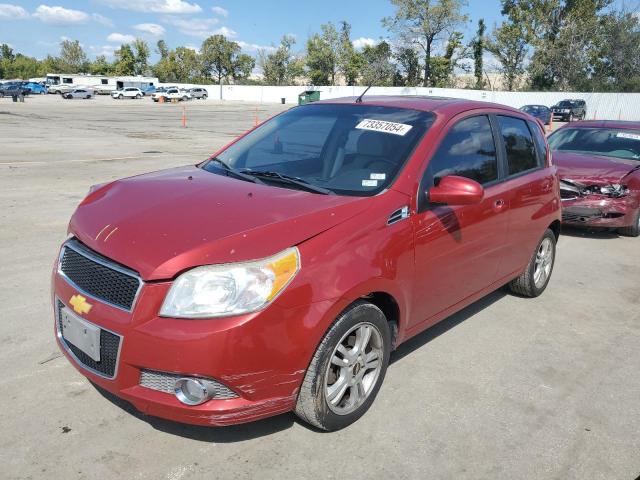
[
  {"x": 354, "y": 368},
  {"x": 543, "y": 263}
]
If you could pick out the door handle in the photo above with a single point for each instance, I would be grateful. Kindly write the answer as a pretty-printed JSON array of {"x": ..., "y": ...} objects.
[{"x": 499, "y": 205}]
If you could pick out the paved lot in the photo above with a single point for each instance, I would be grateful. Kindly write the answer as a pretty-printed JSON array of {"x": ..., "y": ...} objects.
[{"x": 509, "y": 388}]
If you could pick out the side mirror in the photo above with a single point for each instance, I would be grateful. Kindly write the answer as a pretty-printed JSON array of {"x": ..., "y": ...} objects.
[{"x": 454, "y": 190}]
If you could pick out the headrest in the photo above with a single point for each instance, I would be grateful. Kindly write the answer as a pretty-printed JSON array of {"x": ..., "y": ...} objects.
[{"x": 373, "y": 143}]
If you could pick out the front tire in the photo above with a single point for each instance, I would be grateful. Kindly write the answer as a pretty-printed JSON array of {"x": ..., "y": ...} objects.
[
  {"x": 347, "y": 369},
  {"x": 632, "y": 230},
  {"x": 535, "y": 278}
]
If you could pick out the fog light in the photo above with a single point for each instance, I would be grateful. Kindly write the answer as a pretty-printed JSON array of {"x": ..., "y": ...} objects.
[{"x": 193, "y": 391}]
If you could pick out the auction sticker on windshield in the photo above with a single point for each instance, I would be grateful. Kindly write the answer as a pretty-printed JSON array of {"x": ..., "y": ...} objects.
[
  {"x": 382, "y": 126},
  {"x": 630, "y": 136}
]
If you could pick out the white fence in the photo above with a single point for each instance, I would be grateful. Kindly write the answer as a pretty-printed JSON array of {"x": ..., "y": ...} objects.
[{"x": 601, "y": 106}]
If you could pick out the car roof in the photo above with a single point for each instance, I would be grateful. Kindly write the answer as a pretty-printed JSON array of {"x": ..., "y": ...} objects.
[
  {"x": 443, "y": 105},
  {"x": 622, "y": 124}
]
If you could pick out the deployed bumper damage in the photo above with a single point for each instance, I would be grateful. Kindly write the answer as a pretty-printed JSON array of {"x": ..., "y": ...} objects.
[{"x": 605, "y": 205}]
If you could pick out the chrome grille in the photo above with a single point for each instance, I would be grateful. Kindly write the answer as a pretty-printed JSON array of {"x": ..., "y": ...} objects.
[
  {"x": 98, "y": 276},
  {"x": 165, "y": 382}
]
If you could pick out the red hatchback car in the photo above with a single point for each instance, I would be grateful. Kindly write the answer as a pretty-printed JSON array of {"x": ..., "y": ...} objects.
[
  {"x": 599, "y": 167},
  {"x": 279, "y": 274}
]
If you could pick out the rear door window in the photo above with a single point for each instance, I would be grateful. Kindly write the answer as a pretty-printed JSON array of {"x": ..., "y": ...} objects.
[
  {"x": 518, "y": 143},
  {"x": 541, "y": 145},
  {"x": 468, "y": 150}
]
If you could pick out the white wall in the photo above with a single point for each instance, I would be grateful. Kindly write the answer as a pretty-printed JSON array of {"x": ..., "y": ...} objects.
[{"x": 609, "y": 106}]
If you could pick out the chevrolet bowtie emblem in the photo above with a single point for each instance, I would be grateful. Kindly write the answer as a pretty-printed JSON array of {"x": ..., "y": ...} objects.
[{"x": 80, "y": 304}]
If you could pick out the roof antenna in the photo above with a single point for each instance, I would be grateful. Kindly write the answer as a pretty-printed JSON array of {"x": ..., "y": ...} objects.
[{"x": 359, "y": 99}]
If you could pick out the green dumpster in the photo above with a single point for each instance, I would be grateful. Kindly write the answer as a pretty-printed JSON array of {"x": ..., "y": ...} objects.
[{"x": 308, "y": 96}]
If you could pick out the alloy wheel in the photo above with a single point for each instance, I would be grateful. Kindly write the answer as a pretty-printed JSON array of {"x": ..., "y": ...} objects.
[
  {"x": 352, "y": 373},
  {"x": 543, "y": 263}
]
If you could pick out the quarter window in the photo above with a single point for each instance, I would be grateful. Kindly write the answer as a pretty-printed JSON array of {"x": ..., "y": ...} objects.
[
  {"x": 468, "y": 151},
  {"x": 521, "y": 152}
]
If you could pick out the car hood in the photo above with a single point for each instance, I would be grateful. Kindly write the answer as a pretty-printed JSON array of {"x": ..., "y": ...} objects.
[
  {"x": 592, "y": 168},
  {"x": 162, "y": 223}
]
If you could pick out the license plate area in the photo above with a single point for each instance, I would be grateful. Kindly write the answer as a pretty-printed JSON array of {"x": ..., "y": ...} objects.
[{"x": 81, "y": 334}]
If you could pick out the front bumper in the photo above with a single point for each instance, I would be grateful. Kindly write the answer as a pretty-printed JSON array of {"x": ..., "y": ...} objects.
[
  {"x": 599, "y": 211},
  {"x": 262, "y": 357}
]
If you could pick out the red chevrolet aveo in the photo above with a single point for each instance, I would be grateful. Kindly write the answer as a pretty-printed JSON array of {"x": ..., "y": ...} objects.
[{"x": 280, "y": 273}]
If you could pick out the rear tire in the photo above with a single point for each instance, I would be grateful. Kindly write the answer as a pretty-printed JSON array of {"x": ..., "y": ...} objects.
[
  {"x": 360, "y": 341},
  {"x": 632, "y": 230},
  {"x": 535, "y": 278}
]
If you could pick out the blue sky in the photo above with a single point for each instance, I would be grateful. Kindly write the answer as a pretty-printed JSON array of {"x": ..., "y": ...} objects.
[{"x": 36, "y": 27}]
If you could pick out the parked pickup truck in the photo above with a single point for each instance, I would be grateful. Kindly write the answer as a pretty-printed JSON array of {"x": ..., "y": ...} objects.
[{"x": 171, "y": 94}]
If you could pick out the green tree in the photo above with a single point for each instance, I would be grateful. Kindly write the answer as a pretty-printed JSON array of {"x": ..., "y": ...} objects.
[
  {"x": 323, "y": 55},
  {"x": 565, "y": 35},
  {"x": 142, "y": 52},
  {"x": 422, "y": 23},
  {"x": 162, "y": 49},
  {"x": 244, "y": 66},
  {"x": 378, "y": 69},
  {"x": 509, "y": 44},
  {"x": 185, "y": 64},
  {"x": 125, "y": 63},
  {"x": 218, "y": 57},
  {"x": 408, "y": 64},
  {"x": 281, "y": 67},
  {"x": 349, "y": 60},
  {"x": 6, "y": 52},
  {"x": 616, "y": 61},
  {"x": 478, "y": 45},
  {"x": 443, "y": 66},
  {"x": 72, "y": 57},
  {"x": 100, "y": 66}
]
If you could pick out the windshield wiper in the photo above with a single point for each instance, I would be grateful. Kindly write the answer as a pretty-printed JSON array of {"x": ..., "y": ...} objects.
[
  {"x": 235, "y": 173},
  {"x": 288, "y": 179}
]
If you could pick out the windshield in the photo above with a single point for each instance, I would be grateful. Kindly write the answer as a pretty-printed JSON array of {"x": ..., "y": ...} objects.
[
  {"x": 346, "y": 149},
  {"x": 565, "y": 104},
  {"x": 534, "y": 109},
  {"x": 609, "y": 142}
]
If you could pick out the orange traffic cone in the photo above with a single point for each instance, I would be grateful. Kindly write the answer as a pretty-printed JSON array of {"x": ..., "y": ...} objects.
[{"x": 184, "y": 117}]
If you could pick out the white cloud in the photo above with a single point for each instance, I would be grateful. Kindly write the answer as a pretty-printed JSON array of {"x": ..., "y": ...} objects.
[
  {"x": 12, "y": 12},
  {"x": 155, "y": 6},
  {"x": 227, "y": 32},
  {"x": 363, "y": 41},
  {"x": 222, "y": 12},
  {"x": 120, "y": 38},
  {"x": 106, "y": 50},
  {"x": 199, "y": 27},
  {"x": 152, "y": 29},
  {"x": 60, "y": 15},
  {"x": 254, "y": 47},
  {"x": 102, "y": 20}
]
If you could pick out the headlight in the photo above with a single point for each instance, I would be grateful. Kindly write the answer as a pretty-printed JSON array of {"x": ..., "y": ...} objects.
[
  {"x": 231, "y": 289},
  {"x": 616, "y": 190}
]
